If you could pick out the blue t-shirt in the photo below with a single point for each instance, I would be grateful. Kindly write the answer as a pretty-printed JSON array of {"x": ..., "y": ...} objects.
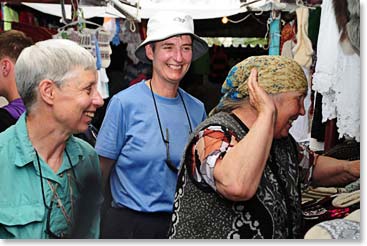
[{"x": 130, "y": 134}]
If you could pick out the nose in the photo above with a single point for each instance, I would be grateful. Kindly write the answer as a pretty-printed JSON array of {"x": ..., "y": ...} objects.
[
  {"x": 302, "y": 110},
  {"x": 97, "y": 99},
  {"x": 178, "y": 55}
]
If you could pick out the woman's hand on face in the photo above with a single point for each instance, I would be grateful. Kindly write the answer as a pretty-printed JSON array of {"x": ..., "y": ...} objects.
[{"x": 259, "y": 98}]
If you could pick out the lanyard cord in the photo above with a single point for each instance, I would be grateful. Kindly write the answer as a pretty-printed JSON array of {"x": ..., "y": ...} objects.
[
  {"x": 187, "y": 114},
  {"x": 156, "y": 111},
  {"x": 41, "y": 177}
]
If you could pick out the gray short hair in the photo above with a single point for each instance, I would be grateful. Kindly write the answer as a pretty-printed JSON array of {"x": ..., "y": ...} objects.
[{"x": 53, "y": 59}]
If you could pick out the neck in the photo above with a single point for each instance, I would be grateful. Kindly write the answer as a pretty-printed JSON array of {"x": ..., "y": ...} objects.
[
  {"x": 12, "y": 93},
  {"x": 163, "y": 89},
  {"x": 246, "y": 114},
  {"x": 48, "y": 141}
]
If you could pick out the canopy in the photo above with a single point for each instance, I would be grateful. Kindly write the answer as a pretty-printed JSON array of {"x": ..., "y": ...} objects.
[{"x": 198, "y": 9}]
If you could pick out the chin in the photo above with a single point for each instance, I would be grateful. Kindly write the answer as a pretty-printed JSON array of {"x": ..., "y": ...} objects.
[{"x": 81, "y": 129}]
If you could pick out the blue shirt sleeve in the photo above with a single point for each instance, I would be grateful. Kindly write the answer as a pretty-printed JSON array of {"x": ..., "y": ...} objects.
[{"x": 111, "y": 136}]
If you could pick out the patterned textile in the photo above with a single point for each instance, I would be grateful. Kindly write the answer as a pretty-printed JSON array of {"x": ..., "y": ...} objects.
[
  {"x": 288, "y": 33},
  {"x": 335, "y": 229},
  {"x": 200, "y": 212},
  {"x": 276, "y": 74},
  {"x": 212, "y": 144}
]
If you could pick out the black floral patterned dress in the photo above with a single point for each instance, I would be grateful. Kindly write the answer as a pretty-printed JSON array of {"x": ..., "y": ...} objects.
[{"x": 202, "y": 213}]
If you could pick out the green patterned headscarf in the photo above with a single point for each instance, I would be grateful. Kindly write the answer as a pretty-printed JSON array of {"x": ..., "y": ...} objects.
[{"x": 276, "y": 74}]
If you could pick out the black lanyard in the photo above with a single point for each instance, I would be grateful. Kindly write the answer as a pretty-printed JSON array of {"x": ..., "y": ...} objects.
[{"x": 166, "y": 140}]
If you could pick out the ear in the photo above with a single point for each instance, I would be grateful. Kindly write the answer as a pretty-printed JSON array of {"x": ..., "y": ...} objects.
[
  {"x": 6, "y": 67},
  {"x": 46, "y": 90},
  {"x": 149, "y": 51}
]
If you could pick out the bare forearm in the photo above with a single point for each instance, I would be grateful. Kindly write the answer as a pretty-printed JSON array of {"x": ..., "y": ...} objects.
[
  {"x": 333, "y": 172},
  {"x": 241, "y": 169},
  {"x": 106, "y": 166}
]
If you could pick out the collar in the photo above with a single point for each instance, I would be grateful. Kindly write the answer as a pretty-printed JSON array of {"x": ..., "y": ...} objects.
[{"x": 25, "y": 150}]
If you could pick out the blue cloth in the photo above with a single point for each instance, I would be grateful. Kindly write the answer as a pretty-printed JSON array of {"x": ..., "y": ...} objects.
[
  {"x": 274, "y": 47},
  {"x": 140, "y": 179},
  {"x": 116, "y": 38},
  {"x": 98, "y": 53},
  {"x": 23, "y": 214}
]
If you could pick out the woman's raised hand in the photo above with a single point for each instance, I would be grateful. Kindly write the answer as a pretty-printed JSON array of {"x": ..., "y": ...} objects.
[{"x": 259, "y": 98}]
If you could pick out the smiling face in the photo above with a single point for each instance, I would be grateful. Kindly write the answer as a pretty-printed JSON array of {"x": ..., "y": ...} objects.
[
  {"x": 289, "y": 106},
  {"x": 171, "y": 58},
  {"x": 77, "y": 100}
]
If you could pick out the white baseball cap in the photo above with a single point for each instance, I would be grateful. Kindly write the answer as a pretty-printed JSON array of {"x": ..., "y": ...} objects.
[{"x": 167, "y": 24}]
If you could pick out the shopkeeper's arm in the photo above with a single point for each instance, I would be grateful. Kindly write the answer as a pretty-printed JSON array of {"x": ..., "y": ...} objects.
[
  {"x": 106, "y": 166},
  {"x": 329, "y": 171}
]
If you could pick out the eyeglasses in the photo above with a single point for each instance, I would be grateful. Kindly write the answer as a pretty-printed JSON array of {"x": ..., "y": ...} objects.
[
  {"x": 49, "y": 207},
  {"x": 168, "y": 160}
]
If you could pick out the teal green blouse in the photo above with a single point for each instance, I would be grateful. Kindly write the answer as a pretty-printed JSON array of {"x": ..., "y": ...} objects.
[{"x": 23, "y": 214}]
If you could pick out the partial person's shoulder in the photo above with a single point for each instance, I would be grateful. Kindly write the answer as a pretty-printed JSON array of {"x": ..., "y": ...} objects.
[
  {"x": 83, "y": 148},
  {"x": 130, "y": 92},
  {"x": 83, "y": 144},
  {"x": 6, "y": 120}
]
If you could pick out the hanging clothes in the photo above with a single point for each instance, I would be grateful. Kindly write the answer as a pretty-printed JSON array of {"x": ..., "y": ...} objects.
[
  {"x": 303, "y": 50},
  {"x": 274, "y": 46},
  {"x": 97, "y": 41},
  {"x": 337, "y": 77}
]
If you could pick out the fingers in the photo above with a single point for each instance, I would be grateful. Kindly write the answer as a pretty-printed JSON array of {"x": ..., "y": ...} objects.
[
  {"x": 252, "y": 81},
  {"x": 259, "y": 98}
]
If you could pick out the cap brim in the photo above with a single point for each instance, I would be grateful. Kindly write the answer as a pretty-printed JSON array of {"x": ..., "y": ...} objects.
[{"x": 199, "y": 47}]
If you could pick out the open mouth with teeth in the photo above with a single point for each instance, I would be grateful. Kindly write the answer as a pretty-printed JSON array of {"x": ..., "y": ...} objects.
[
  {"x": 90, "y": 114},
  {"x": 175, "y": 66}
]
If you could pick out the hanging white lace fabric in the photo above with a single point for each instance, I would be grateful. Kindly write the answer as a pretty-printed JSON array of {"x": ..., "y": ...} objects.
[
  {"x": 337, "y": 77},
  {"x": 300, "y": 129}
]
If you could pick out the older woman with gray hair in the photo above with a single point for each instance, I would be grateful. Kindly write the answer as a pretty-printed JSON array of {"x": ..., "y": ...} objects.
[
  {"x": 45, "y": 170},
  {"x": 239, "y": 176}
]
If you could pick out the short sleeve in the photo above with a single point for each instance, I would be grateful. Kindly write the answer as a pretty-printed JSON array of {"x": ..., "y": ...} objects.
[
  {"x": 110, "y": 137},
  {"x": 211, "y": 145}
]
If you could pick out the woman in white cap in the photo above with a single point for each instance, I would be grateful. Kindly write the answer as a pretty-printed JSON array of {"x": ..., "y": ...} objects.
[{"x": 145, "y": 130}]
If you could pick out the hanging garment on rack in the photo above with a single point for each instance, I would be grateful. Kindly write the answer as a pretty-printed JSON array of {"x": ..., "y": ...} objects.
[
  {"x": 288, "y": 35},
  {"x": 303, "y": 50},
  {"x": 132, "y": 39},
  {"x": 337, "y": 77},
  {"x": 96, "y": 41},
  {"x": 274, "y": 46}
]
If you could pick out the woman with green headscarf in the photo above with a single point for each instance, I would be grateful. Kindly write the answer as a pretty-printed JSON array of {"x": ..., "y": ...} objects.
[{"x": 239, "y": 175}]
